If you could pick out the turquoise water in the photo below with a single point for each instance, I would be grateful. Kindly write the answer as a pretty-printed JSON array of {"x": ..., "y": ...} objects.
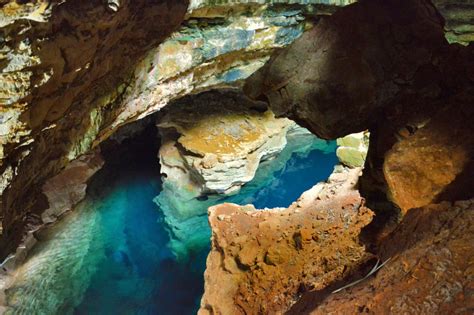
[{"x": 114, "y": 254}]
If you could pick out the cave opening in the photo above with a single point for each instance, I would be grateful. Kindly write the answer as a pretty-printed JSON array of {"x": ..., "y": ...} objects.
[{"x": 136, "y": 244}]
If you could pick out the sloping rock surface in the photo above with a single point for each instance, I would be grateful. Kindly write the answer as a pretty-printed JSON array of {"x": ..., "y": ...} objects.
[{"x": 262, "y": 260}]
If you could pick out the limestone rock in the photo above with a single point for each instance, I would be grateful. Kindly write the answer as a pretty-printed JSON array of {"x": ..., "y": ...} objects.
[
  {"x": 262, "y": 260},
  {"x": 66, "y": 189},
  {"x": 458, "y": 17},
  {"x": 352, "y": 149},
  {"x": 429, "y": 272},
  {"x": 435, "y": 162},
  {"x": 72, "y": 72},
  {"x": 304, "y": 81},
  {"x": 185, "y": 210},
  {"x": 220, "y": 141}
]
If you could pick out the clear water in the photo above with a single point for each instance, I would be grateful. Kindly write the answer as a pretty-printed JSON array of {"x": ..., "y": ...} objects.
[{"x": 112, "y": 255}]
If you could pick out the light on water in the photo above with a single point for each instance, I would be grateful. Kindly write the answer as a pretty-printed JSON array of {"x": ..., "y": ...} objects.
[{"x": 113, "y": 254}]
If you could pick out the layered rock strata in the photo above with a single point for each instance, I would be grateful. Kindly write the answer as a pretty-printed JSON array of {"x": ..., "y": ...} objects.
[
  {"x": 72, "y": 72},
  {"x": 214, "y": 142},
  {"x": 262, "y": 260},
  {"x": 391, "y": 88},
  {"x": 211, "y": 145}
]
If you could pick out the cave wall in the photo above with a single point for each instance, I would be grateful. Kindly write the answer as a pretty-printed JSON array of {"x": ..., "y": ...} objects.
[
  {"x": 400, "y": 79},
  {"x": 72, "y": 72}
]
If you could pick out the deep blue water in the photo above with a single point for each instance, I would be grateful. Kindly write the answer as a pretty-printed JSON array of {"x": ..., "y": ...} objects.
[
  {"x": 139, "y": 274},
  {"x": 112, "y": 255}
]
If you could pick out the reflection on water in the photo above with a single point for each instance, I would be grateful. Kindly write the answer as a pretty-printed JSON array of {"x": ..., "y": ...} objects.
[{"x": 112, "y": 255}]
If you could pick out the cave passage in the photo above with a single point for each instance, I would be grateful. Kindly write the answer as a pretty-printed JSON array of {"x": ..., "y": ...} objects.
[{"x": 112, "y": 254}]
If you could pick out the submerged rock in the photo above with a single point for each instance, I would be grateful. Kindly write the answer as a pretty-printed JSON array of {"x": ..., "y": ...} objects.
[
  {"x": 262, "y": 260},
  {"x": 82, "y": 69},
  {"x": 214, "y": 142},
  {"x": 184, "y": 198},
  {"x": 66, "y": 189}
]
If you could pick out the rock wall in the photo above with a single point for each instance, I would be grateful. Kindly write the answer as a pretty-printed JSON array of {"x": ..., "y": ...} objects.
[
  {"x": 429, "y": 271},
  {"x": 72, "y": 72},
  {"x": 212, "y": 145},
  {"x": 396, "y": 90},
  {"x": 352, "y": 149}
]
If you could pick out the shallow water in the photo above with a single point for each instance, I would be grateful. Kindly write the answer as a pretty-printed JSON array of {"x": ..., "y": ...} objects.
[{"x": 111, "y": 256}]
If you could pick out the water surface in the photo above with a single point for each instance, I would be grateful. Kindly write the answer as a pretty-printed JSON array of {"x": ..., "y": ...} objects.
[{"x": 115, "y": 254}]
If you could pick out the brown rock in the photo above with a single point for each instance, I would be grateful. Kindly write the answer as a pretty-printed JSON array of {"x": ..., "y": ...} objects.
[
  {"x": 67, "y": 188},
  {"x": 435, "y": 163},
  {"x": 429, "y": 272},
  {"x": 336, "y": 77},
  {"x": 276, "y": 265}
]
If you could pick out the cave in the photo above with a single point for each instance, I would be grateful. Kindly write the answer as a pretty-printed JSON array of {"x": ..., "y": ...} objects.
[{"x": 236, "y": 157}]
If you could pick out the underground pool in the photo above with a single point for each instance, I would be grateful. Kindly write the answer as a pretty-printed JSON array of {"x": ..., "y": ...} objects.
[{"x": 112, "y": 255}]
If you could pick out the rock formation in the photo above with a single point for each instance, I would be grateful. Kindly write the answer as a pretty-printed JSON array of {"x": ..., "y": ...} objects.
[
  {"x": 72, "y": 72},
  {"x": 352, "y": 149},
  {"x": 383, "y": 75},
  {"x": 429, "y": 271},
  {"x": 214, "y": 142},
  {"x": 262, "y": 260},
  {"x": 212, "y": 145}
]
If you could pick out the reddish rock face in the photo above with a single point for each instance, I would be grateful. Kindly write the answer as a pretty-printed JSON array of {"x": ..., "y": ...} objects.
[
  {"x": 430, "y": 269},
  {"x": 435, "y": 163},
  {"x": 262, "y": 260}
]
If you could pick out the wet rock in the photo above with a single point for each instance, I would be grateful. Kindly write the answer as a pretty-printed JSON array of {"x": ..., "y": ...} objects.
[
  {"x": 272, "y": 256},
  {"x": 458, "y": 20},
  {"x": 217, "y": 141},
  {"x": 73, "y": 72}
]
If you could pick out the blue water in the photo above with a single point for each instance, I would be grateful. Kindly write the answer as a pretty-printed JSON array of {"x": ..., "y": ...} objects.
[
  {"x": 139, "y": 274},
  {"x": 112, "y": 255}
]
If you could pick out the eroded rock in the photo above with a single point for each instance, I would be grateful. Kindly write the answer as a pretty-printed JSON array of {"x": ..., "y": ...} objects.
[
  {"x": 262, "y": 260},
  {"x": 66, "y": 189},
  {"x": 429, "y": 272},
  {"x": 73, "y": 72},
  {"x": 217, "y": 141}
]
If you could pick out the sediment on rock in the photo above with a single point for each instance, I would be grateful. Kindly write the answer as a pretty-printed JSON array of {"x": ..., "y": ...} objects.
[{"x": 262, "y": 260}]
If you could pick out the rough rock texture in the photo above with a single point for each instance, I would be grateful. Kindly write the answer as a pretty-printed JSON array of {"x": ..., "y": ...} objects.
[
  {"x": 185, "y": 209},
  {"x": 389, "y": 86},
  {"x": 435, "y": 163},
  {"x": 72, "y": 72},
  {"x": 430, "y": 269},
  {"x": 63, "y": 193},
  {"x": 262, "y": 260},
  {"x": 126, "y": 86},
  {"x": 352, "y": 149},
  {"x": 66, "y": 189},
  {"x": 312, "y": 90},
  {"x": 214, "y": 142},
  {"x": 458, "y": 16},
  {"x": 60, "y": 74}
]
